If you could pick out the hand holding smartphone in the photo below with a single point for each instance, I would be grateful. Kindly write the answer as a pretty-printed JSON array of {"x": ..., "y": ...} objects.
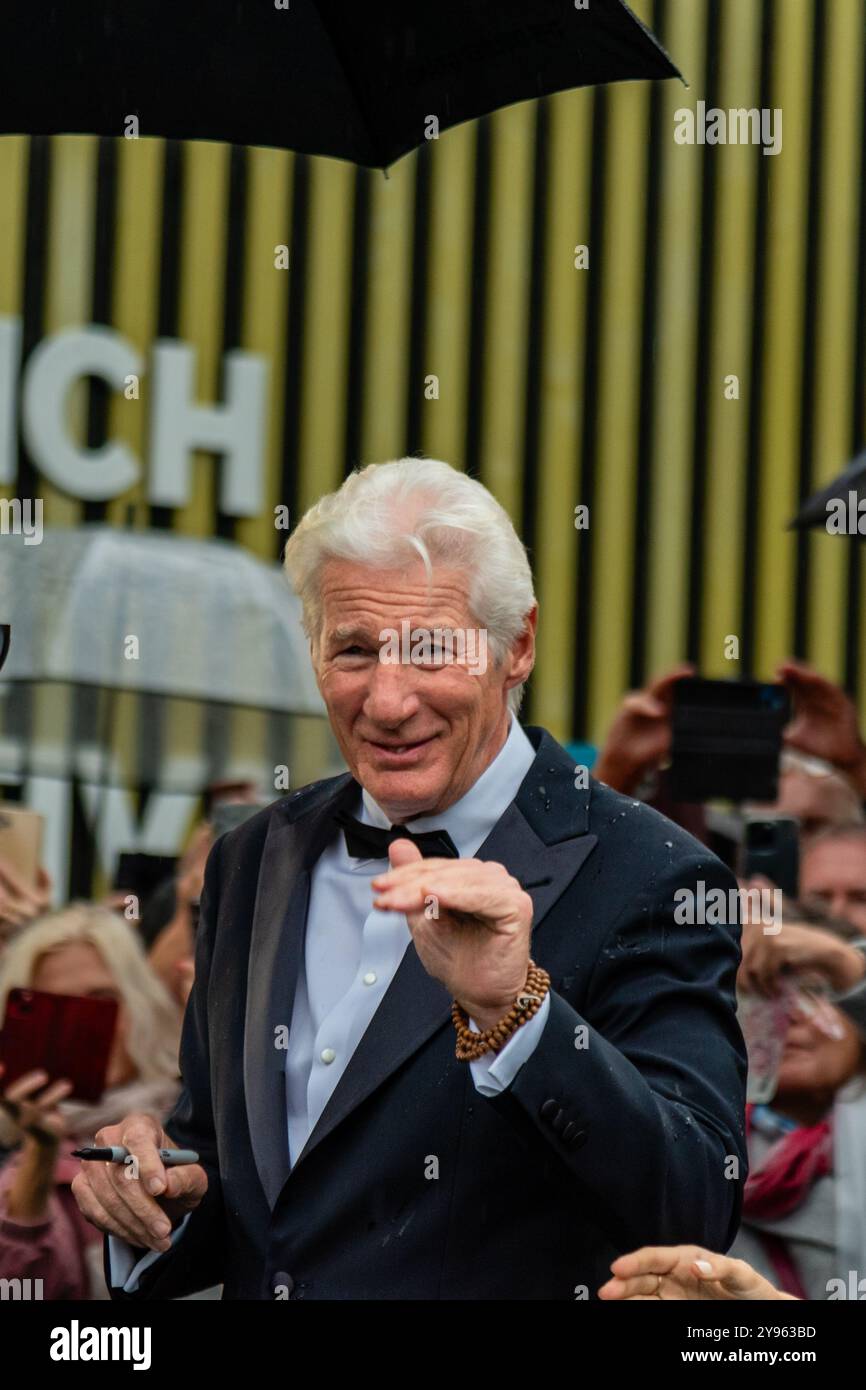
[{"x": 60, "y": 1034}]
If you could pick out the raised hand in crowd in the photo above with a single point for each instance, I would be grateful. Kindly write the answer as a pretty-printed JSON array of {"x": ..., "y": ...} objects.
[
  {"x": 32, "y": 1105},
  {"x": 800, "y": 946},
  {"x": 825, "y": 722},
  {"x": 639, "y": 739},
  {"x": 684, "y": 1272},
  {"x": 19, "y": 902}
]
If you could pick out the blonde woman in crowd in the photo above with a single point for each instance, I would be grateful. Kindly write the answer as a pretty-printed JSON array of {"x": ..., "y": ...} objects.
[{"x": 83, "y": 950}]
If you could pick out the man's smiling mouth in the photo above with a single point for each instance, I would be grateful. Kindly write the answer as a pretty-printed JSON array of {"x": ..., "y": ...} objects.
[{"x": 398, "y": 749}]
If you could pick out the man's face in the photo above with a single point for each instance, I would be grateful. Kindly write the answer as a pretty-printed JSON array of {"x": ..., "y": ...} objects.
[
  {"x": 833, "y": 877},
  {"x": 416, "y": 736}
]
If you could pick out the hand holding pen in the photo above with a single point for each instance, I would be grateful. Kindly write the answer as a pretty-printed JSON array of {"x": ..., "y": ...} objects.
[{"x": 143, "y": 1210}]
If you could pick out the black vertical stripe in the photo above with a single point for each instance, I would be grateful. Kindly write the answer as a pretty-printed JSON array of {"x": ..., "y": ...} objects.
[
  {"x": 642, "y": 514},
  {"x": 168, "y": 309},
  {"x": 88, "y": 705},
  {"x": 151, "y": 709},
  {"x": 589, "y": 440},
  {"x": 755, "y": 393},
  {"x": 18, "y": 706},
  {"x": 535, "y": 348},
  {"x": 234, "y": 287},
  {"x": 356, "y": 357},
  {"x": 853, "y": 608},
  {"x": 216, "y": 718},
  {"x": 478, "y": 301},
  {"x": 418, "y": 366},
  {"x": 82, "y": 845},
  {"x": 810, "y": 317},
  {"x": 296, "y": 304},
  {"x": 294, "y": 331},
  {"x": 703, "y": 381},
  {"x": 105, "y": 232},
  {"x": 33, "y": 279}
]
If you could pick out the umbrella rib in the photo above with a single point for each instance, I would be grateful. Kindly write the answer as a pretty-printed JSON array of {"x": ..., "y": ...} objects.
[{"x": 374, "y": 138}]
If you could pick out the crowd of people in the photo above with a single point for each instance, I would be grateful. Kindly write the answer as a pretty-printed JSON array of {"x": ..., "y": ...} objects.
[
  {"x": 100, "y": 950},
  {"x": 804, "y": 1212}
]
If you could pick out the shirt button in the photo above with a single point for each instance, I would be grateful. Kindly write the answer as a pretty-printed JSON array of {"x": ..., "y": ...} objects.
[
  {"x": 327, "y": 1054},
  {"x": 370, "y": 978}
]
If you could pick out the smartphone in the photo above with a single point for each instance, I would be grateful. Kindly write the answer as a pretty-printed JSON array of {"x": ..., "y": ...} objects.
[
  {"x": 21, "y": 840},
  {"x": 727, "y": 738},
  {"x": 142, "y": 874},
  {"x": 771, "y": 847},
  {"x": 62, "y": 1034}
]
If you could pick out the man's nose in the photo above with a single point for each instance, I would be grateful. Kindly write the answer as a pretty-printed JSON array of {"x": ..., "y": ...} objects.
[
  {"x": 391, "y": 696},
  {"x": 839, "y": 903}
]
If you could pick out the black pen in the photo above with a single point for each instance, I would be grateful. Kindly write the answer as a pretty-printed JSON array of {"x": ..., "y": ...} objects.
[{"x": 171, "y": 1158}]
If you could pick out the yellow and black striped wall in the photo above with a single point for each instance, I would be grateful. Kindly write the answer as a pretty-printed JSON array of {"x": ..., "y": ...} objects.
[{"x": 558, "y": 386}]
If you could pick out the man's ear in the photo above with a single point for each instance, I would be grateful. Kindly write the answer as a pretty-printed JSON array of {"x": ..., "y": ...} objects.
[{"x": 523, "y": 650}]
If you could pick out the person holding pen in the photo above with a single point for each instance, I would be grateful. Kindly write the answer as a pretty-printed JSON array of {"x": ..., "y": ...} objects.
[{"x": 438, "y": 995}]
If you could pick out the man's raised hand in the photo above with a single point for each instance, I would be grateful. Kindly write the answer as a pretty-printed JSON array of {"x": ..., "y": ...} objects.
[{"x": 471, "y": 923}]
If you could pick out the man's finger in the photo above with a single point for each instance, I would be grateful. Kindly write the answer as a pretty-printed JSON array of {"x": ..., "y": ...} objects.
[
  {"x": 102, "y": 1204},
  {"x": 490, "y": 898},
  {"x": 186, "y": 1181},
  {"x": 142, "y": 1136},
  {"x": 402, "y": 852},
  {"x": 407, "y": 872}
]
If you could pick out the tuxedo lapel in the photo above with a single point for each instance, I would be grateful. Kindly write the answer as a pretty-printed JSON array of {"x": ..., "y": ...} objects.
[
  {"x": 542, "y": 839},
  {"x": 292, "y": 845}
]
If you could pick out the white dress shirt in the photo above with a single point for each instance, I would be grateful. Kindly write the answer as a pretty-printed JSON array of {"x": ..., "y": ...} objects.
[{"x": 351, "y": 954}]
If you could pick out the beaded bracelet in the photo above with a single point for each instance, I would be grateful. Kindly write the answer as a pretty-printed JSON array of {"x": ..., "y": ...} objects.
[{"x": 471, "y": 1045}]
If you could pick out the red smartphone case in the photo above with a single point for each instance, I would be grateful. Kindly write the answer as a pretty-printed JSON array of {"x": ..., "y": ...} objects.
[{"x": 63, "y": 1034}]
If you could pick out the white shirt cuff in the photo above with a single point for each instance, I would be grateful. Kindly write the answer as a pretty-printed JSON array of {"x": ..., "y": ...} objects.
[
  {"x": 124, "y": 1269},
  {"x": 494, "y": 1071}
]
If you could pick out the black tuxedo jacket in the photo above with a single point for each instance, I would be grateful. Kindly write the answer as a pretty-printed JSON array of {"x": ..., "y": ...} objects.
[{"x": 618, "y": 1131}]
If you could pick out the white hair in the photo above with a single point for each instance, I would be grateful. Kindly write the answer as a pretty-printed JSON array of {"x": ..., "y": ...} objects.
[{"x": 387, "y": 513}]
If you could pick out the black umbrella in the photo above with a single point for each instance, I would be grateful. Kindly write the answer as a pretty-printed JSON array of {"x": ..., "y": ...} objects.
[
  {"x": 846, "y": 495},
  {"x": 356, "y": 81}
]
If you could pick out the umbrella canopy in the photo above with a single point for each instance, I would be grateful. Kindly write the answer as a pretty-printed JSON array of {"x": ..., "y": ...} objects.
[
  {"x": 846, "y": 495},
  {"x": 210, "y": 621},
  {"x": 358, "y": 82}
]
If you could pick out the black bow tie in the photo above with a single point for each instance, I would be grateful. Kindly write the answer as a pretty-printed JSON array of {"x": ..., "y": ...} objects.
[{"x": 371, "y": 841}]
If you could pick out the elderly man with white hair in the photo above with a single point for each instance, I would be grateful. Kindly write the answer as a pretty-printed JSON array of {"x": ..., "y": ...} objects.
[{"x": 446, "y": 1039}]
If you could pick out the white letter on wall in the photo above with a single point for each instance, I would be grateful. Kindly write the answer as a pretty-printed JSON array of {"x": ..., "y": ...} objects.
[
  {"x": 234, "y": 430},
  {"x": 52, "y": 369}
]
